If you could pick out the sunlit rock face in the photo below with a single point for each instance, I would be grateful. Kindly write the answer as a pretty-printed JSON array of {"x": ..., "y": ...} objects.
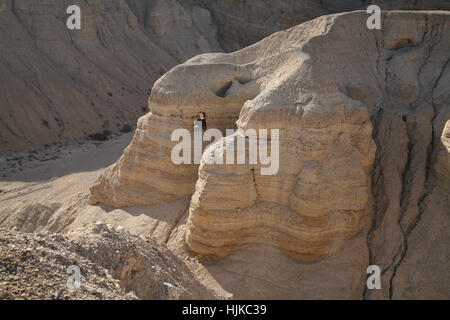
[
  {"x": 58, "y": 84},
  {"x": 319, "y": 196},
  {"x": 359, "y": 140}
]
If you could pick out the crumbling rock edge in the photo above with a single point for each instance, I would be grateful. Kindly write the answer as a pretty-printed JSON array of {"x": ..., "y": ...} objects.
[{"x": 113, "y": 265}]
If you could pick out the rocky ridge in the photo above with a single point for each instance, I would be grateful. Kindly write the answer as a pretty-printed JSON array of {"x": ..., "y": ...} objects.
[
  {"x": 113, "y": 263},
  {"x": 57, "y": 84},
  {"x": 361, "y": 115}
]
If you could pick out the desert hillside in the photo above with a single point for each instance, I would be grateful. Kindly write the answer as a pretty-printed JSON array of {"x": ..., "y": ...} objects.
[
  {"x": 362, "y": 122},
  {"x": 58, "y": 84},
  {"x": 115, "y": 265},
  {"x": 363, "y": 154}
]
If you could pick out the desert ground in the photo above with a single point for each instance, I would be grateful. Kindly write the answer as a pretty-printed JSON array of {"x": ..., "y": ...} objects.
[
  {"x": 356, "y": 121},
  {"x": 51, "y": 195}
]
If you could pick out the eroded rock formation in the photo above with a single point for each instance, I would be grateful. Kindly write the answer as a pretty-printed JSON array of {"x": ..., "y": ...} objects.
[
  {"x": 242, "y": 23},
  {"x": 363, "y": 146},
  {"x": 113, "y": 264},
  {"x": 322, "y": 189},
  {"x": 57, "y": 84}
]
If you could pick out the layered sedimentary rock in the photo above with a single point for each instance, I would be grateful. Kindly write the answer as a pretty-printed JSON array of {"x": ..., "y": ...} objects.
[
  {"x": 242, "y": 23},
  {"x": 113, "y": 263},
  {"x": 361, "y": 115},
  {"x": 318, "y": 196},
  {"x": 58, "y": 84},
  {"x": 146, "y": 174}
]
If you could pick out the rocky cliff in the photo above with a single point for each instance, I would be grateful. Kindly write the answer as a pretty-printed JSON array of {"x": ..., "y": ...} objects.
[
  {"x": 363, "y": 151},
  {"x": 242, "y": 23},
  {"x": 113, "y": 264},
  {"x": 58, "y": 84}
]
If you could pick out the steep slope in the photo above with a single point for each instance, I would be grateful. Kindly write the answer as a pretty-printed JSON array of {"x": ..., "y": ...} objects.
[
  {"x": 242, "y": 23},
  {"x": 57, "y": 84},
  {"x": 336, "y": 91},
  {"x": 113, "y": 265},
  {"x": 34, "y": 266}
]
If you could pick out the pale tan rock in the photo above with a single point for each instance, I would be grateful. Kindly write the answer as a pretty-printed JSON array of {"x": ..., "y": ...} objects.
[
  {"x": 333, "y": 88},
  {"x": 442, "y": 166},
  {"x": 145, "y": 174},
  {"x": 395, "y": 92},
  {"x": 320, "y": 194},
  {"x": 242, "y": 23},
  {"x": 410, "y": 212},
  {"x": 58, "y": 84},
  {"x": 141, "y": 265}
]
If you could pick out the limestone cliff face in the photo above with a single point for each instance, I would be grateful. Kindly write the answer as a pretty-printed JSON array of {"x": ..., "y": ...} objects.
[
  {"x": 320, "y": 193},
  {"x": 242, "y": 23},
  {"x": 57, "y": 84},
  {"x": 145, "y": 174},
  {"x": 363, "y": 146}
]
